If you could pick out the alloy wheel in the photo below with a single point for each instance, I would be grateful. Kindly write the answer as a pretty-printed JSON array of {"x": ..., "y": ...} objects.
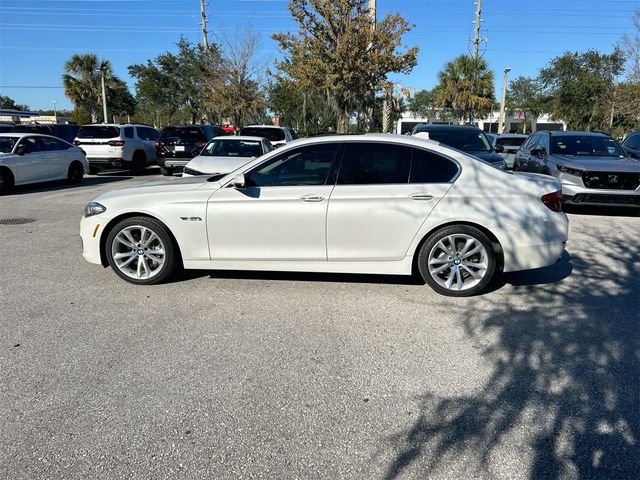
[
  {"x": 138, "y": 252},
  {"x": 458, "y": 262}
]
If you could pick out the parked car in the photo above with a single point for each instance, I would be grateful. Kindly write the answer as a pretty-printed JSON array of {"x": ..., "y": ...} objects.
[
  {"x": 178, "y": 144},
  {"x": 466, "y": 138},
  {"x": 507, "y": 144},
  {"x": 109, "y": 145},
  {"x": 226, "y": 154},
  {"x": 27, "y": 158},
  {"x": 592, "y": 166},
  {"x": 377, "y": 204},
  {"x": 278, "y": 136},
  {"x": 64, "y": 131},
  {"x": 631, "y": 144}
]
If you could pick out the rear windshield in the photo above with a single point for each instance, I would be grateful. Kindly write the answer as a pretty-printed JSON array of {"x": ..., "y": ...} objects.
[
  {"x": 271, "y": 134},
  {"x": 462, "y": 139},
  {"x": 7, "y": 143},
  {"x": 585, "y": 146},
  {"x": 33, "y": 129},
  {"x": 510, "y": 141},
  {"x": 186, "y": 134},
  {"x": 233, "y": 148},
  {"x": 99, "y": 131}
]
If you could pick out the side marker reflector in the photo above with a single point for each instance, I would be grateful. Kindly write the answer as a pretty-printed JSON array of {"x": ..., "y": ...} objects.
[{"x": 95, "y": 230}]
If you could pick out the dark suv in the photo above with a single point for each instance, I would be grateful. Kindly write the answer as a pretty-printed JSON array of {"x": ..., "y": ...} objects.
[
  {"x": 467, "y": 138},
  {"x": 64, "y": 131},
  {"x": 178, "y": 144},
  {"x": 592, "y": 167}
]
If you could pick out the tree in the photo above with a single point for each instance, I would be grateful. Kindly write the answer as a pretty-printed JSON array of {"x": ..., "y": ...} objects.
[
  {"x": 10, "y": 104},
  {"x": 466, "y": 87},
  {"x": 339, "y": 51},
  {"x": 170, "y": 88},
  {"x": 630, "y": 46},
  {"x": 581, "y": 87},
  {"x": 423, "y": 103},
  {"x": 83, "y": 86},
  {"x": 526, "y": 94}
]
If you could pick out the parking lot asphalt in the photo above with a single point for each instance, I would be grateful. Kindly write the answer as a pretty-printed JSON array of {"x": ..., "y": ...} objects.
[{"x": 281, "y": 375}]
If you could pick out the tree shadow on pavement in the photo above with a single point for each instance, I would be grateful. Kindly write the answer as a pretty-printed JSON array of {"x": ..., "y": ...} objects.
[{"x": 565, "y": 383}]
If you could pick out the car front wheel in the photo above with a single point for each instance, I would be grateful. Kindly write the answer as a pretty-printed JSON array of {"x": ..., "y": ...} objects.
[
  {"x": 141, "y": 251},
  {"x": 457, "y": 261}
]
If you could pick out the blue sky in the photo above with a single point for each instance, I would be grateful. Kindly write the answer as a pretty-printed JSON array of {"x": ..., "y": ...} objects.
[{"x": 37, "y": 36}]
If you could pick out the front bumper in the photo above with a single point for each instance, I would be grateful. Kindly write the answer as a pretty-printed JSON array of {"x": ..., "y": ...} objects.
[
  {"x": 578, "y": 195},
  {"x": 176, "y": 164},
  {"x": 91, "y": 229}
]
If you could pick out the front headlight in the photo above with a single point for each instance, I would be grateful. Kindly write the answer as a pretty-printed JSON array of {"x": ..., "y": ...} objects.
[
  {"x": 94, "y": 208},
  {"x": 570, "y": 171},
  {"x": 191, "y": 171}
]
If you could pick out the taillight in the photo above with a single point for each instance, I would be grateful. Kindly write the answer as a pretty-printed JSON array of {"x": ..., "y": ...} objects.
[
  {"x": 116, "y": 143},
  {"x": 553, "y": 201},
  {"x": 77, "y": 142}
]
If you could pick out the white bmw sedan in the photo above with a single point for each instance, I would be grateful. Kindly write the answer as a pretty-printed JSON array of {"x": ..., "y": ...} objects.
[
  {"x": 226, "y": 154},
  {"x": 29, "y": 158},
  {"x": 376, "y": 204}
]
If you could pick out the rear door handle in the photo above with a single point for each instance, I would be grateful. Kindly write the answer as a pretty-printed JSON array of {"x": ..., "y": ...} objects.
[
  {"x": 421, "y": 196},
  {"x": 312, "y": 198}
]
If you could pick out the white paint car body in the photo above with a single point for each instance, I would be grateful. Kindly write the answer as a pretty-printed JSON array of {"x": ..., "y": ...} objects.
[
  {"x": 375, "y": 229},
  {"x": 42, "y": 165},
  {"x": 205, "y": 163}
]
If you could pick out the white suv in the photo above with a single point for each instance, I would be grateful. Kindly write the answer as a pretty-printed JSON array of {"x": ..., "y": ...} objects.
[
  {"x": 114, "y": 145},
  {"x": 278, "y": 136}
]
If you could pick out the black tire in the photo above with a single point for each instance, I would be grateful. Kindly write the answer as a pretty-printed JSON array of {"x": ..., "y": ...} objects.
[
  {"x": 93, "y": 170},
  {"x": 138, "y": 162},
  {"x": 165, "y": 172},
  {"x": 75, "y": 173},
  {"x": 171, "y": 253},
  {"x": 516, "y": 167},
  {"x": 488, "y": 259},
  {"x": 7, "y": 181}
]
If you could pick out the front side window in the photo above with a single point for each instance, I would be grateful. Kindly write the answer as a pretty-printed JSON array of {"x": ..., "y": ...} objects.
[
  {"x": 430, "y": 167},
  {"x": 375, "y": 163},
  {"x": 633, "y": 142},
  {"x": 532, "y": 142},
  {"x": 308, "y": 165},
  {"x": 31, "y": 144},
  {"x": 585, "y": 146}
]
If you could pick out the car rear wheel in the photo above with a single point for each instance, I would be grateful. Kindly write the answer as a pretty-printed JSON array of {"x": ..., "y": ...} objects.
[
  {"x": 139, "y": 162},
  {"x": 457, "y": 261},
  {"x": 6, "y": 181},
  {"x": 141, "y": 251},
  {"x": 75, "y": 173}
]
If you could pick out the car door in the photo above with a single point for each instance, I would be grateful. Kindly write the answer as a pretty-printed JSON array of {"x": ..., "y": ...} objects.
[
  {"x": 522, "y": 156},
  {"x": 383, "y": 195},
  {"x": 281, "y": 213},
  {"x": 31, "y": 166},
  {"x": 56, "y": 157}
]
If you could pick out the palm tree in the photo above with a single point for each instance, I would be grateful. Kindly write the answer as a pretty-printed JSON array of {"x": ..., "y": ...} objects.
[
  {"x": 82, "y": 82},
  {"x": 466, "y": 87}
]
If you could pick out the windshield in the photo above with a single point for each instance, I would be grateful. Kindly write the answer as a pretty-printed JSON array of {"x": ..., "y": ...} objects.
[
  {"x": 7, "y": 144},
  {"x": 585, "y": 146},
  {"x": 232, "y": 148},
  {"x": 99, "y": 131},
  {"x": 187, "y": 134},
  {"x": 272, "y": 134},
  {"x": 510, "y": 141},
  {"x": 462, "y": 139}
]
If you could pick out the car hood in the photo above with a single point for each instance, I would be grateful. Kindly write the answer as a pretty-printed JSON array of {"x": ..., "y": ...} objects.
[
  {"x": 599, "y": 164},
  {"x": 207, "y": 164},
  {"x": 168, "y": 185}
]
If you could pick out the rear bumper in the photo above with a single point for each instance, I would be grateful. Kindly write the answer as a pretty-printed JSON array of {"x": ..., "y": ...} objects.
[{"x": 107, "y": 162}]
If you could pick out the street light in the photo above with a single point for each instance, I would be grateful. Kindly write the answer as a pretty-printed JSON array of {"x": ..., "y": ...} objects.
[
  {"x": 55, "y": 113},
  {"x": 104, "y": 96},
  {"x": 501, "y": 125}
]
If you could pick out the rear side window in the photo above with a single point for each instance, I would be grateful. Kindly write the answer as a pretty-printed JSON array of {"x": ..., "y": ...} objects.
[
  {"x": 99, "y": 131},
  {"x": 429, "y": 167},
  {"x": 7, "y": 144},
  {"x": 375, "y": 163},
  {"x": 146, "y": 133},
  {"x": 128, "y": 132},
  {"x": 52, "y": 145}
]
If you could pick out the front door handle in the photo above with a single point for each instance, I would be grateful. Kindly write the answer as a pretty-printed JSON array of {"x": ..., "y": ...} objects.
[
  {"x": 421, "y": 196},
  {"x": 312, "y": 198}
]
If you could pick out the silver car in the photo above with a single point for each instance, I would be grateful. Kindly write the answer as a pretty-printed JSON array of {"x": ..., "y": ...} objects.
[{"x": 507, "y": 144}]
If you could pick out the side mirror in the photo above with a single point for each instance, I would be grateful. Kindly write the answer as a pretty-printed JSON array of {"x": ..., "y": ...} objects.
[
  {"x": 239, "y": 181},
  {"x": 499, "y": 149}
]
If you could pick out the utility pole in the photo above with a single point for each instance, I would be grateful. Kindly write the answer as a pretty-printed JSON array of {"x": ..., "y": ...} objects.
[
  {"x": 203, "y": 14},
  {"x": 476, "y": 36},
  {"x": 104, "y": 97},
  {"x": 55, "y": 112},
  {"x": 501, "y": 126}
]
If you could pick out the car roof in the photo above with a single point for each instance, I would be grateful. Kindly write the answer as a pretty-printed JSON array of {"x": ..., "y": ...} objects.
[
  {"x": 431, "y": 126},
  {"x": 575, "y": 132},
  {"x": 30, "y": 134},
  {"x": 264, "y": 126},
  {"x": 116, "y": 125},
  {"x": 192, "y": 125},
  {"x": 238, "y": 137}
]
